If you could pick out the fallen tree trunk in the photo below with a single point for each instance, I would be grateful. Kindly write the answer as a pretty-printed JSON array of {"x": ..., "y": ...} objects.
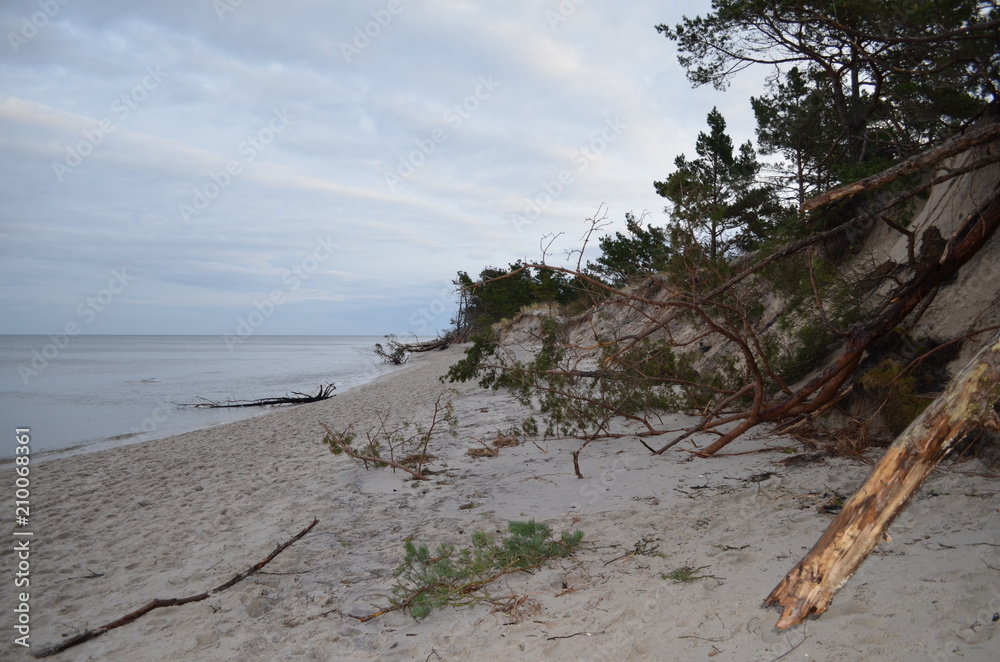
[
  {"x": 962, "y": 246},
  {"x": 324, "y": 393},
  {"x": 970, "y": 404},
  {"x": 956, "y": 145},
  {"x": 427, "y": 346}
]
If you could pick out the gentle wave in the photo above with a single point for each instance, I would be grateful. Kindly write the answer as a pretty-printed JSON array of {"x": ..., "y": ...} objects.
[{"x": 103, "y": 391}]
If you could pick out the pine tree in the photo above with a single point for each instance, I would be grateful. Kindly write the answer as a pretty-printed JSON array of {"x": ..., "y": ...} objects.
[
  {"x": 641, "y": 252},
  {"x": 716, "y": 199},
  {"x": 797, "y": 122},
  {"x": 896, "y": 74}
]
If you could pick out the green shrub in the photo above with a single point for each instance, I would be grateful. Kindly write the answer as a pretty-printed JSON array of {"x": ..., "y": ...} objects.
[{"x": 445, "y": 578}]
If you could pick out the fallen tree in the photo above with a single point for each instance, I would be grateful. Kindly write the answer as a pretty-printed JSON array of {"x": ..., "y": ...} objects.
[
  {"x": 398, "y": 353},
  {"x": 956, "y": 145},
  {"x": 928, "y": 275},
  {"x": 429, "y": 345},
  {"x": 324, "y": 393},
  {"x": 650, "y": 356},
  {"x": 969, "y": 406}
]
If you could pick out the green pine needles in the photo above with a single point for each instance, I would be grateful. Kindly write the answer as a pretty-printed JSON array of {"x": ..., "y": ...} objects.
[
  {"x": 403, "y": 446},
  {"x": 574, "y": 401},
  {"x": 446, "y": 578}
]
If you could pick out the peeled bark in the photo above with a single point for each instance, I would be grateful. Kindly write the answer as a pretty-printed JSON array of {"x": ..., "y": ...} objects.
[{"x": 970, "y": 404}]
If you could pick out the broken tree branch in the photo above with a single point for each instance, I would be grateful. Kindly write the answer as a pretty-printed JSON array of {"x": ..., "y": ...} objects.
[
  {"x": 339, "y": 441},
  {"x": 168, "y": 602},
  {"x": 971, "y": 403}
]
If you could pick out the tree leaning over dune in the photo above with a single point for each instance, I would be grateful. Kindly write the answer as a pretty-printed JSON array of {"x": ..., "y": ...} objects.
[{"x": 580, "y": 389}]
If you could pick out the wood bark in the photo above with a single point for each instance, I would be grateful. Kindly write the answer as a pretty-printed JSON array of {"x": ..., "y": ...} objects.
[
  {"x": 970, "y": 404},
  {"x": 437, "y": 343}
]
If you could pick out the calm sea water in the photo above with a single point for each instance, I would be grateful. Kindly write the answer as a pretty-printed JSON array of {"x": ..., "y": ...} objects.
[{"x": 101, "y": 391}]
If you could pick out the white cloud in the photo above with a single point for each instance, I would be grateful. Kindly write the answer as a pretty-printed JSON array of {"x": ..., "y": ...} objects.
[{"x": 398, "y": 152}]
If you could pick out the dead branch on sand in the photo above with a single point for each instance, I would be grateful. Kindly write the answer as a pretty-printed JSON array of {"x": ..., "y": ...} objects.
[
  {"x": 403, "y": 446},
  {"x": 169, "y": 602},
  {"x": 324, "y": 393}
]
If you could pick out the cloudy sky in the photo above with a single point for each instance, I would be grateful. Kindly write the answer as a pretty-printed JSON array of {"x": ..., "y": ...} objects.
[{"x": 227, "y": 166}]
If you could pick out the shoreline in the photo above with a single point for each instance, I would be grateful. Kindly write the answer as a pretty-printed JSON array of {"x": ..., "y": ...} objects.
[
  {"x": 176, "y": 516},
  {"x": 105, "y": 443}
]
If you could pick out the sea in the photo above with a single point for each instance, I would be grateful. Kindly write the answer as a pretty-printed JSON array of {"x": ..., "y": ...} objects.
[{"x": 84, "y": 393}]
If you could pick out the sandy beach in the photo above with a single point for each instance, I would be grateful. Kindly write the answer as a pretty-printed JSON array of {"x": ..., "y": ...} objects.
[{"x": 171, "y": 518}]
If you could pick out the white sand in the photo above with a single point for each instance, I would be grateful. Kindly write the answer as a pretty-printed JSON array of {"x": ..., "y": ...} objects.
[{"x": 179, "y": 516}]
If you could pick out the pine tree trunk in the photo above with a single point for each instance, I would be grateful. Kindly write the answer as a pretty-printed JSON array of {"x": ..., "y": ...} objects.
[
  {"x": 971, "y": 403},
  {"x": 923, "y": 161}
]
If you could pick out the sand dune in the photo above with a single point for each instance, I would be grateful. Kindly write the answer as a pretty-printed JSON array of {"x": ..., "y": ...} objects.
[{"x": 176, "y": 517}]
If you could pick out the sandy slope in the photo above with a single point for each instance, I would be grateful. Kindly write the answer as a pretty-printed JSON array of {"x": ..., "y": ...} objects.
[{"x": 179, "y": 516}]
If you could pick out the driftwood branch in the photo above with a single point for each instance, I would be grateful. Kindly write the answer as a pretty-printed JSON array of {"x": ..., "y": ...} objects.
[
  {"x": 324, "y": 393},
  {"x": 168, "y": 602},
  {"x": 398, "y": 353},
  {"x": 969, "y": 405}
]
